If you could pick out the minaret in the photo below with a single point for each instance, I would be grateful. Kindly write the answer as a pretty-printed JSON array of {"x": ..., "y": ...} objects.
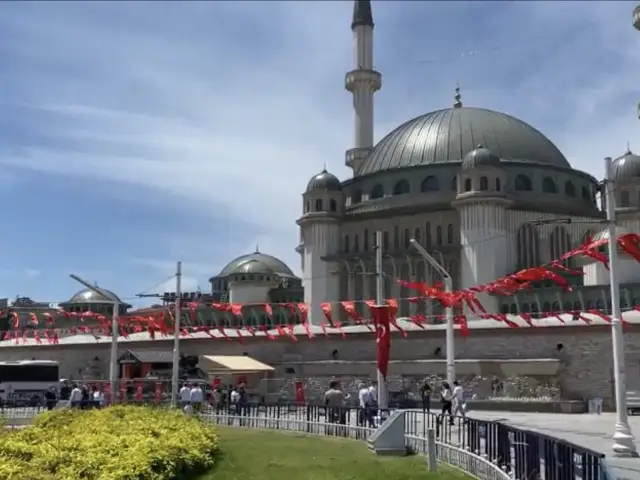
[{"x": 363, "y": 81}]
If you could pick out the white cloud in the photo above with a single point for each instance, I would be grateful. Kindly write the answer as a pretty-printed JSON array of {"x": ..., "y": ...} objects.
[{"x": 234, "y": 105}]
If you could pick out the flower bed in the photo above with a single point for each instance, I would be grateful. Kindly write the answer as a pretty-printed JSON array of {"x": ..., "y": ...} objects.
[{"x": 119, "y": 443}]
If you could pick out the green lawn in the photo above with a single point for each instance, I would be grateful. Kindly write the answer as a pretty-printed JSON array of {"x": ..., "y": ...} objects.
[{"x": 267, "y": 455}]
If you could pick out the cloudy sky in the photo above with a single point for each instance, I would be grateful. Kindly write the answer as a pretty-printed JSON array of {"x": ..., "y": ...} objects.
[{"x": 133, "y": 135}]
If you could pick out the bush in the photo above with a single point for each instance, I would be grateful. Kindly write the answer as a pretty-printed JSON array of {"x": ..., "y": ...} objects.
[{"x": 119, "y": 443}]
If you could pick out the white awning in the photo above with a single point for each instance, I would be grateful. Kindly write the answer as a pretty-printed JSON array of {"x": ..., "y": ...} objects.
[{"x": 232, "y": 364}]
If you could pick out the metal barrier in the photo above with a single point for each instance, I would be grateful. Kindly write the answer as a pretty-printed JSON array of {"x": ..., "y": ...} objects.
[{"x": 522, "y": 454}]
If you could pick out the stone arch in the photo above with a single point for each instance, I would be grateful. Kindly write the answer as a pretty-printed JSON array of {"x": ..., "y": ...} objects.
[{"x": 559, "y": 242}]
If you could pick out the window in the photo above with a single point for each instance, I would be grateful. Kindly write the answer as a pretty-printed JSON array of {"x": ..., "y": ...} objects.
[
  {"x": 484, "y": 184},
  {"x": 430, "y": 184},
  {"x": 585, "y": 193},
  {"x": 427, "y": 236},
  {"x": 467, "y": 185},
  {"x": 569, "y": 189},
  {"x": 385, "y": 240},
  {"x": 549, "y": 186},
  {"x": 624, "y": 198},
  {"x": 319, "y": 205},
  {"x": 416, "y": 235},
  {"x": 377, "y": 192},
  {"x": 29, "y": 373},
  {"x": 498, "y": 186},
  {"x": 523, "y": 183},
  {"x": 307, "y": 207},
  {"x": 454, "y": 183},
  {"x": 333, "y": 206},
  {"x": 396, "y": 238},
  {"x": 365, "y": 239},
  {"x": 439, "y": 235},
  {"x": 401, "y": 187},
  {"x": 356, "y": 243},
  {"x": 356, "y": 197},
  {"x": 407, "y": 237},
  {"x": 346, "y": 244},
  {"x": 450, "y": 234}
]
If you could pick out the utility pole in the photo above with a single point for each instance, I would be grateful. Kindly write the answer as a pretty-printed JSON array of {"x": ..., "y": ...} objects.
[
  {"x": 176, "y": 339},
  {"x": 383, "y": 393}
]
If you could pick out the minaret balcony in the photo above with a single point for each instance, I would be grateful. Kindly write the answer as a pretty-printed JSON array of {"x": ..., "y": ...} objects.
[
  {"x": 362, "y": 78},
  {"x": 355, "y": 157}
]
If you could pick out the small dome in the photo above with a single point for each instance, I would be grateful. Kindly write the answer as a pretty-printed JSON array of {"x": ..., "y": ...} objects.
[
  {"x": 324, "y": 181},
  {"x": 89, "y": 296},
  {"x": 480, "y": 157},
  {"x": 256, "y": 262},
  {"x": 626, "y": 167}
]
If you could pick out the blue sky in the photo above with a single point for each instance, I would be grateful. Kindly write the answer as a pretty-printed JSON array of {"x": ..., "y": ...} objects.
[{"x": 133, "y": 135}]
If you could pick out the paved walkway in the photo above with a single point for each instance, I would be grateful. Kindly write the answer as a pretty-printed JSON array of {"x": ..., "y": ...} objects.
[{"x": 591, "y": 431}]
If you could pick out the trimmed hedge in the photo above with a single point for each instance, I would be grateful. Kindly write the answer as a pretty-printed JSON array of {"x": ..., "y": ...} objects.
[{"x": 118, "y": 443}]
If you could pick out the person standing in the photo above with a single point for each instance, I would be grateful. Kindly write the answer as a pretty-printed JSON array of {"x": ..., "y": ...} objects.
[
  {"x": 185, "y": 396},
  {"x": 458, "y": 399},
  {"x": 75, "y": 397},
  {"x": 50, "y": 398},
  {"x": 196, "y": 397},
  {"x": 425, "y": 394},
  {"x": 334, "y": 401}
]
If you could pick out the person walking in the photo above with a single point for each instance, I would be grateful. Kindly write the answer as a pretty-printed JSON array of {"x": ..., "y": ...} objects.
[
  {"x": 446, "y": 398},
  {"x": 458, "y": 399}
]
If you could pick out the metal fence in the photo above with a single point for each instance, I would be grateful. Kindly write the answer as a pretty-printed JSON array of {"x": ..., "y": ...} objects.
[{"x": 489, "y": 450}]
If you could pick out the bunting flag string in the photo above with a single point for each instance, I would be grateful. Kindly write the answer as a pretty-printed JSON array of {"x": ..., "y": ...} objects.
[{"x": 161, "y": 323}]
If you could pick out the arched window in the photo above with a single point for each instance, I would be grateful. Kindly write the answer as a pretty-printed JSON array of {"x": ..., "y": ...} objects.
[
  {"x": 467, "y": 185},
  {"x": 454, "y": 183},
  {"x": 498, "y": 185},
  {"x": 484, "y": 184},
  {"x": 346, "y": 244},
  {"x": 417, "y": 236},
  {"x": 450, "y": 234},
  {"x": 528, "y": 247},
  {"x": 559, "y": 243},
  {"x": 377, "y": 192},
  {"x": 318, "y": 205},
  {"x": 549, "y": 186},
  {"x": 407, "y": 238},
  {"x": 427, "y": 236},
  {"x": 365, "y": 243},
  {"x": 401, "y": 187},
  {"x": 356, "y": 197},
  {"x": 624, "y": 198},
  {"x": 333, "y": 206},
  {"x": 585, "y": 193},
  {"x": 569, "y": 189},
  {"x": 396, "y": 238},
  {"x": 356, "y": 243},
  {"x": 523, "y": 183},
  {"x": 307, "y": 207},
  {"x": 439, "y": 235},
  {"x": 430, "y": 184}
]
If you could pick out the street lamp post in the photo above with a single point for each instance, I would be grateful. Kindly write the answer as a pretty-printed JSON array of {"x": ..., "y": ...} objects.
[
  {"x": 448, "y": 287},
  {"x": 113, "y": 360},
  {"x": 623, "y": 441}
]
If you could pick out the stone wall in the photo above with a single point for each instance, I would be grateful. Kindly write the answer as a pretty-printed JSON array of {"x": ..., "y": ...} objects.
[{"x": 585, "y": 353}]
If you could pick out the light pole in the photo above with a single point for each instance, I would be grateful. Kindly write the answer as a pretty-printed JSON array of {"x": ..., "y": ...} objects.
[
  {"x": 623, "y": 441},
  {"x": 175, "y": 369},
  {"x": 383, "y": 392},
  {"x": 113, "y": 360},
  {"x": 448, "y": 287}
]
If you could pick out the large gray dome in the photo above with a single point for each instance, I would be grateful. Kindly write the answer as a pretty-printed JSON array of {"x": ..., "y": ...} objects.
[
  {"x": 256, "y": 262},
  {"x": 89, "y": 296},
  {"x": 448, "y": 135}
]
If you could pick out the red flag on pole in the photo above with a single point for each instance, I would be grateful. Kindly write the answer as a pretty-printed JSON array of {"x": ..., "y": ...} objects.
[{"x": 381, "y": 319}]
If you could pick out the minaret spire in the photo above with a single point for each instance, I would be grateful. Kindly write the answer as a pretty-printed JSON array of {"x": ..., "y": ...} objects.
[
  {"x": 457, "y": 98},
  {"x": 363, "y": 81}
]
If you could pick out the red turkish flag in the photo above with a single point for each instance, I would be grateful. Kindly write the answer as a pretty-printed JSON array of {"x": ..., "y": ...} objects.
[{"x": 381, "y": 316}]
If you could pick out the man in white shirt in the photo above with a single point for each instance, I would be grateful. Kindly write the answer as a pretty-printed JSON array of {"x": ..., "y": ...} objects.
[
  {"x": 196, "y": 397},
  {"x": 458, "y": 399},
  {"x": 185, "y": 396},
  {"x": 364, "y": 402},
  {"x": 75, "y": 398}
]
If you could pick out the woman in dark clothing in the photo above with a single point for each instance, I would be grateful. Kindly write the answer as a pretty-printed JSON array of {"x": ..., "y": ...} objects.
[
  {"x": 425, "y": 393},
  {"x": 447, "y": 402}
]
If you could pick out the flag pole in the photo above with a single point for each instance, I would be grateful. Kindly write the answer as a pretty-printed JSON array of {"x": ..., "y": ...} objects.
[{"x": 383, "y": 394}]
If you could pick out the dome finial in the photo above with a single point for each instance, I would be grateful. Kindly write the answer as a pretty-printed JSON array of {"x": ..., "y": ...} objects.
[
  {"x": 457, "y": 97},
  {"x": 324, "y": 168},
  {"x": 628, "y": 147},
  {"x": 257, "y": 248}
]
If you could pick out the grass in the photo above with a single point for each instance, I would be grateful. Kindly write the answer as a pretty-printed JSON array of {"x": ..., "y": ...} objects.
[{"x": 268, "y": 455}]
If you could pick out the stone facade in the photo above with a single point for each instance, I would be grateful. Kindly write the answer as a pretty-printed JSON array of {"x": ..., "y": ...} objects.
[{"x": 584, "y": 354}]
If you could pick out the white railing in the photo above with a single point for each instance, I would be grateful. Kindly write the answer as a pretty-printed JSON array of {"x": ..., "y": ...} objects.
[{"x": 466, "y": 461}]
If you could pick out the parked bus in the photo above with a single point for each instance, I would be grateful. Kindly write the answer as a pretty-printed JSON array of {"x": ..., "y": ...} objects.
[{"x": 23, "y": 382}]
